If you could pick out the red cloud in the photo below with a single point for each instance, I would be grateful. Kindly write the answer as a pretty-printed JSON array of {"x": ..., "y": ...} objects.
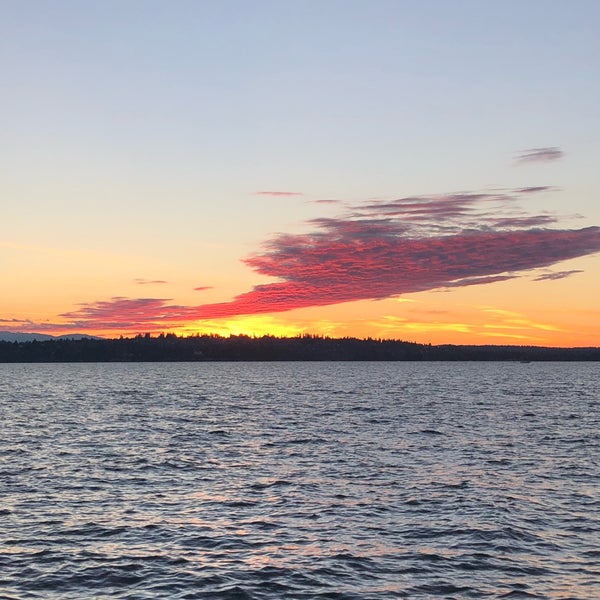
[
  {"x": 332, "y": 269},
  {"x": 122, "y": 313},
  {"x": 378, "y": 251}
]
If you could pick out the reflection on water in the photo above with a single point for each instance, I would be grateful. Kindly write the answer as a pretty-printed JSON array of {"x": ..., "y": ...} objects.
[{"x": 300, "y": 480}]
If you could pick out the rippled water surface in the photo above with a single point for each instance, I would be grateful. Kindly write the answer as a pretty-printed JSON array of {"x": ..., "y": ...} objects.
[{"x": 300, "y": 480}]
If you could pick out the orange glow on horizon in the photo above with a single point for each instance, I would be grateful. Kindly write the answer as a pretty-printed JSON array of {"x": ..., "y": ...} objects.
[
  {"x": 478, "y": 326},
  {"x": 516, "y": 312}
]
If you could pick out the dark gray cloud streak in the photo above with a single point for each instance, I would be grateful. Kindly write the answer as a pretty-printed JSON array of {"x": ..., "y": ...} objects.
[
  {"x": 557, "y": 275},
  {"x": 547, "y": 154}
]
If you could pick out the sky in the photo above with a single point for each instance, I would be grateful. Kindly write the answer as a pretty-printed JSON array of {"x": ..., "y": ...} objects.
[{"x": 417, "y": 170}]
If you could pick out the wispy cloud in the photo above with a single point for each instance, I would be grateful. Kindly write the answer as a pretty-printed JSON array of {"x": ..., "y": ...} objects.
[
  {"x": 379, "y": 250},
  {"x": 121, "y": 313},
  {"x": 507, "y": 320},
  {"x": 14, "y": 320},
  {"x": 142, "y": 281},
  {"x": 546, "y": 154},
  {"x": 515, "y": 336},
  {"x": 277, "y": 193},
  {"x": 480, "y": 280},
  {"x": 534, "y": 189},
  {"x": 202, "y": 288},
  {"x": 557, "y": 275},
  {"x": 394, "y": 326}
]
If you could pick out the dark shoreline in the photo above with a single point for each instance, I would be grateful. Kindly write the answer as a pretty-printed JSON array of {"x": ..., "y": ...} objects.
[{"x": 211, "y": 348}]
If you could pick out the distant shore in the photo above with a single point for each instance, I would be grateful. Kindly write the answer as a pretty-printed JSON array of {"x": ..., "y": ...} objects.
[{"x": 170, "y": 348}]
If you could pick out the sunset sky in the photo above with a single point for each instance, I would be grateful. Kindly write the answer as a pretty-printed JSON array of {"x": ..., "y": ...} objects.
[{"x": 420, "y": 170}]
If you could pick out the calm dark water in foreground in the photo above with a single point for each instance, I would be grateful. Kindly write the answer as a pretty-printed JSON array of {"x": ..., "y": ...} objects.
[{"x": 300, "y": 480}]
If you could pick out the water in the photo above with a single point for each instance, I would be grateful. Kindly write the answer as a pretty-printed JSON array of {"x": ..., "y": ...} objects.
[{"x": 300, "y": 480}]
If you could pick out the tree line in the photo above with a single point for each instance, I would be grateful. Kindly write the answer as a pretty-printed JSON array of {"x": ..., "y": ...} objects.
[{"x": 170, "y": 348}]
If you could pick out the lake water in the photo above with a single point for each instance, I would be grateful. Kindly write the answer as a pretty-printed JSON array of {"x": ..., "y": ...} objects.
[{"x": 300, "y": 480}]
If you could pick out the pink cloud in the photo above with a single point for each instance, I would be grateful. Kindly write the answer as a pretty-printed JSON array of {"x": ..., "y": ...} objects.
[
  {"x": 121, "y": 312},
  {"x": 378, "y": 250},
  {"x": 326, "y": 201},
  {"x": 277, "y": 193},
  {"x": 514, "y": 222}
]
